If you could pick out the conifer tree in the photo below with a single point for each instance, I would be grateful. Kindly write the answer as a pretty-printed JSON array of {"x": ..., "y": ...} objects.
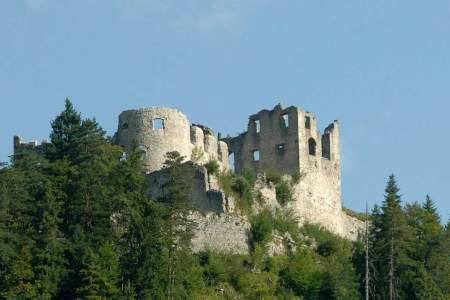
[
  {"x": 178, "y": 227},
  {"x": 16, "y": 270},
  {"x": 391, "y": 244},
  {"x": 439, "y": 262}
]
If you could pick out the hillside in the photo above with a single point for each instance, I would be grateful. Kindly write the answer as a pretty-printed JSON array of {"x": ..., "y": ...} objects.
[{"x": 77, "y": 222}]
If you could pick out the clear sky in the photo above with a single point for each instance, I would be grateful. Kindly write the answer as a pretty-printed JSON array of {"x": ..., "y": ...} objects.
[{"x": 381, "y": 67}]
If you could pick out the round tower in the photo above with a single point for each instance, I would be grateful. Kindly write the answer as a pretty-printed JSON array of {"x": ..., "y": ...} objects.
[{"x": 156, "y": 130}]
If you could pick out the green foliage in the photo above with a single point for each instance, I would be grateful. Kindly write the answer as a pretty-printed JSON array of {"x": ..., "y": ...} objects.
[
  {"x": 76, "y": 223},
  {"x": 283, "y": 192},
  {"x": 297, "y": 177},
  {"x": 212, "y": 167},
  {"x": 303, "y": 275},
  {"x": 240, "y": 187},
  {"x": 404, "y": 241},
  {"x": 273, "y": 176},
  {"x": 265, "y": 222},
  {"x": 283, "y": 185},
  {"x": 99, "y": 274},
  {"x": 262, "y": 227},
  {"x": 197, "y": 154},
  {"x": 358, "y": 215}
]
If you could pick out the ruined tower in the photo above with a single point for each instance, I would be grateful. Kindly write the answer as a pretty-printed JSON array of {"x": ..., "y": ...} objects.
[
  {"x": 158, "y": 130},
  {"x": 287, "y": 140}
]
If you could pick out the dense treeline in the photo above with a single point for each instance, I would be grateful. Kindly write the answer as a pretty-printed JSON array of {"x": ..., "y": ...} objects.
[{"x": 76, "y": 223}]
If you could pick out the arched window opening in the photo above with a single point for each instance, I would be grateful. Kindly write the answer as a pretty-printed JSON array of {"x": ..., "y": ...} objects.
[
  {"x": 125, "y": 126},
  {"x": 158, "y": 124},
  {"x": 312, "y": 146}
]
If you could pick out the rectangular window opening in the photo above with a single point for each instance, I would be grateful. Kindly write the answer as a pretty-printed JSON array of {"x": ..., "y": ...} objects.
[
  {"x": 257, "y": 126},
  {"x": 256, "y": 155},
  {"x": 307, "y": 122},
  {"x": 285, "y": 120},
  {"x": 158, "y": 124}
]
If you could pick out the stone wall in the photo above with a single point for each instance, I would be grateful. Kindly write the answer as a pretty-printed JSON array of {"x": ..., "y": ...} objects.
[
  {"x": 204, "y": 196},
  {"x": 289, "y": 142},
  {"x": 275, "y": 134},
  {"x": 158, "y": 130},
  {"x": 226, "y": 233}
]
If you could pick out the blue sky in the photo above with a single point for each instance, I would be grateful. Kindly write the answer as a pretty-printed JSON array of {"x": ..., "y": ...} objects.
[{"x": 381, "y": 67}]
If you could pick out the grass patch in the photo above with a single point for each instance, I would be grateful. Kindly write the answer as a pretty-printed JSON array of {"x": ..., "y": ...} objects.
[{"x": 358, "y": 215}]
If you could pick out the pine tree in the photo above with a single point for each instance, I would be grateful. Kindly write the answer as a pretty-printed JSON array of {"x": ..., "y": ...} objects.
[
  {"x": 90, "y": 278},
  {"x": 139, "y": 231},
  {"x": 392, "y": 240},
  {"x": 72, "y": 137},
  {"x": 16, "y": 270},
  {"x": 439, "y": 262},
  {"x": 178, "y": 227},
  {"x": 431, "y": 228}
]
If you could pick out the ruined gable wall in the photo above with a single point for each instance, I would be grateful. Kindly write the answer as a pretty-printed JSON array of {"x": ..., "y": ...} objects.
[
  {"x": 318, "y": 195},
  {"x": 317, "y": 198},
  {"x": 272, "y": 133}
]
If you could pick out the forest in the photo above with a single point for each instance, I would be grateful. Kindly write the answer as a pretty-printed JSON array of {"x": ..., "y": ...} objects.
[{"x": 76, "y": 223}]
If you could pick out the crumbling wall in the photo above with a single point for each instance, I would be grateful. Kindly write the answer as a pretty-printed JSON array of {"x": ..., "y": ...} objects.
[
  {"x": 204, "y": 195},
  {"x": 226, "y": 233},
  {"x": 274, "y": 136},
  {"x": 207, "y": 147},
  {"x": 158, "y": 130}
]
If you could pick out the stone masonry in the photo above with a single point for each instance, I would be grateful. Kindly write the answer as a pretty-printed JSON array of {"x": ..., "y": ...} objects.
[{"x": 285, "y": 140}]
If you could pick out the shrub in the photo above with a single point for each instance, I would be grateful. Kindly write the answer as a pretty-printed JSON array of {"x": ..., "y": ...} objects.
[
  {"x": 286, "y": 221},
  {"x": 261, "y": 227},
  {"x": 303, "y": 275},
  {"x": 240, "y": 187},
  {"x": 283, "y": 186},
  {"x": 249, "y": 175},
  {"x": 214, "y": 269},
  {"x": 212, "y": 167},
  {"x": 283, "y": 191},
  {"x": 297, "y": 177},
  {"x": 197, "y": 154},
  {"x": 273, "y": 176}
]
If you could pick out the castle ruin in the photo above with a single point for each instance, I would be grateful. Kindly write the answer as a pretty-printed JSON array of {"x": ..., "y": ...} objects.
[{"x": 284, "y": 140}]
